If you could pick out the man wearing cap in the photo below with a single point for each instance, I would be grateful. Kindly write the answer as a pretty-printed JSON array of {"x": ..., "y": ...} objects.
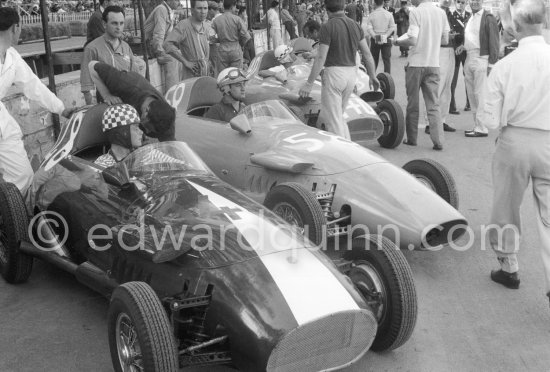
[
  {"x": 380, "y": 26},
  {"x": 157, "y": 27},
  {"x": 232, "y": 83},
  {"x": 232, "y": 36},
  {"x": 189, "y": 41},
  {"x": 460, "y": 19},
  {"x": 517, "y": 102},
  {"x": 120, "y": 123}
]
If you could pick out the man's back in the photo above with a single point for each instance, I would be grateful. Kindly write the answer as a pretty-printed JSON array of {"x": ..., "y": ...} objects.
[{"x": 428, "y": 23}]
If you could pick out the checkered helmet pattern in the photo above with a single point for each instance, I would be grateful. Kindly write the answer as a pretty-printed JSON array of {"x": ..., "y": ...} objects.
[{"x": 118, "y": 116}]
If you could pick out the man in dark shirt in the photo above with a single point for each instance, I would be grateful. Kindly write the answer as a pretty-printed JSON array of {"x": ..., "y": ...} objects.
[
  {"x": 340, "y": 38},
  {"x": 96, "y": 27},
  {"x": 157, "y": 116},
  {"x": 231, "y": 82},
  {"x": 351, "y": 10},
  {"x": 459, "y": 19}
]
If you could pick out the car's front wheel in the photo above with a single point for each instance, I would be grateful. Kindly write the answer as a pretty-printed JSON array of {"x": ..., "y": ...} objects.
[
  {"x": 15, "y": 266},
  {"x": 392, "y": 117},
  {"x": 384, "y": 278},
  {"x": 299, "y": 207},
  {"x": 140, "y": 335},
  {"x": 387, "y": 85}
]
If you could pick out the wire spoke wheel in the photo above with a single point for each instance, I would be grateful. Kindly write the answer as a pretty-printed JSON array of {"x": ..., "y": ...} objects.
[
  {"x": 288, "y": 213},
  {"x": 129, "y": 350}
]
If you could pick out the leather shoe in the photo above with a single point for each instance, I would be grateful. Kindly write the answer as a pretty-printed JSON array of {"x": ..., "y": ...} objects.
[
  {"x": 473, "y": 133},
  {"x": 454, "y": 112},
  {"x": 407, "y": 142},
  {"x": 448, "y": 128},
  {"x": 467, "y": 108},
  {"x": 438, "y": 147},
  {"x": 427, "y": 129},
  {"x": 509, "y": 280}
]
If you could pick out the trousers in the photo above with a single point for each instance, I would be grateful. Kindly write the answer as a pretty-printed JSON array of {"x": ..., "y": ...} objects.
[
  {"x": 460, "y": 59},
  {"x": 475, "y": 77},
  {"x": 521, "y": 155},
  {"x": 338, "y": 84},
  {"x": 385, "y": 50},
  {"x": 446, "y": 70},
  {"x": 427, "y": 79}
]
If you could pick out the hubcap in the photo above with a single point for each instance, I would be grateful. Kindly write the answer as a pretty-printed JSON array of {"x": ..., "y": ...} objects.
[
  {"x": 386, "y": 120},
  {"x": 426, "y": 181},
  {"x": 129, "y": 351},
  {"x": 288, "y": 213},
  {"x": 369, "y": 283}
]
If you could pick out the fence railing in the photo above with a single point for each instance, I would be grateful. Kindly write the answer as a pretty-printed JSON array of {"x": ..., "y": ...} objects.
[{"x": 55, "y": 17}]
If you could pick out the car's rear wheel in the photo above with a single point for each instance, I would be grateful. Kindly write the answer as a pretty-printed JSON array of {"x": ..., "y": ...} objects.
[
  {"x": 140, "y": 335},
  {"x": 299, "y": 207},
  {"x": 392, "y": 117},
  {"x": 382, "y": 275},
  {"x": 16, "y": 266},
  {"x": 436, "y": 177},
  {"x": 387, "y": 85}
]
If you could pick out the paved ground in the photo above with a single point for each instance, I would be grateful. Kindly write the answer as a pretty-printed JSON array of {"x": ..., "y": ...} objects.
[{"x": 465, "y": 323}]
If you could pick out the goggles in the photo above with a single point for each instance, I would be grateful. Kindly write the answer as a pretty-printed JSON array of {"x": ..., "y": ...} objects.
[{"x": 233, "y": 75}]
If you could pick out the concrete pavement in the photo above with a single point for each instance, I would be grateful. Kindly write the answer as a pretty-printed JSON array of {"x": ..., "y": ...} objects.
[{"x": 465, "y": 321}]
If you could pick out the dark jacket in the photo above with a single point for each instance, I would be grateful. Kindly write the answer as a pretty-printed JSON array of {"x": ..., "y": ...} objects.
[
  {"x": 459, "y": 24},
  {"x": 489, "y": 38}
]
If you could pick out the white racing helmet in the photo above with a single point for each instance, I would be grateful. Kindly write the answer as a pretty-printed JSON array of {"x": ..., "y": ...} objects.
[
  {"x": 230, "y": 75},
  {"x": 282, "y": 53}
]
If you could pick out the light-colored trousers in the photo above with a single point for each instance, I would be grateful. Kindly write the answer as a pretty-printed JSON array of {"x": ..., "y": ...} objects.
[
  {"x": 14, "y": 163},
  {"x": 475, "y": 77},
  {"x": 338, "y": 84},
  {"x": 446, "y": 72},
  {"x": 276, "y": 37},
  {"x": 521, "y": 155},
  {"x": 170, "y": 73}
]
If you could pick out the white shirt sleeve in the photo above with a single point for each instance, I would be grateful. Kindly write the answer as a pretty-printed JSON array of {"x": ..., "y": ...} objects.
[
  {"x": 493, "y": 98},
  {"x": 33, "y": 88}
]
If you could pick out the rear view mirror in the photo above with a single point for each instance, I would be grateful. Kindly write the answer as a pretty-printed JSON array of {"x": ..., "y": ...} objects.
[{"x": 240, "y": 124}]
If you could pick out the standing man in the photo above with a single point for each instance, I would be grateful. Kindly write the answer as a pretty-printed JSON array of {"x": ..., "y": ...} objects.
[
  {"x": 110, "y": 48},
  {"x": 402, "y": 21},
  {"x": 428, "y": 30},
  {"x": 351, "y": 10},
  {"x": 288, "y": 21},
  {"x": 380, "y": 26},
  {"x": 340, "y": 38},
  {"x": 95, "y": 27},
  {"x": 481, "y": 42},
  {"x": 301, "y": 17},
  {"x": 460, "y": 18},
  {"x": 274, "y": 25},
  {"x": 388, "y": 7},
  {"x": 517, "y": 101},
  {"x": 188, "y": 42},
  {"x": 232, "y": 36},
  {"x": 157, "y": 27},
  {"x": 14, "y": 163},
  {"x": 360, "y": 12}
]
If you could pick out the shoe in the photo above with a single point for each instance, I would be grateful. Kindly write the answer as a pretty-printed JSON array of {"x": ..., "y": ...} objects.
[
  {"x": 407, "y": 142},
  {"x": 467, "y": 108},
  {"x": 509, "y": 280},
  {"x": 427, "y": 130},
  {"x": 473, "y": 133},
  {"x": 448, "y": 128},
  {"x": 454, "y": 112},
  {"x": 438, "y": 147}
]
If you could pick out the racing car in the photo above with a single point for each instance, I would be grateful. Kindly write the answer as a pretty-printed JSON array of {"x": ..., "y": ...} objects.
[
  {"x": 196, "y": 272},
  {"x": 370, "y": 115}
]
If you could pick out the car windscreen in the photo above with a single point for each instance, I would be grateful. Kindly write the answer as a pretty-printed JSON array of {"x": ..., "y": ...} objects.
[{"x": 259, "y": 113}]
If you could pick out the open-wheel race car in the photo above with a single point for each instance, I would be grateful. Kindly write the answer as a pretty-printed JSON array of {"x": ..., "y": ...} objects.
[
  {"x": 371, "y": 115},
  {"x": 197, "y": 273}
]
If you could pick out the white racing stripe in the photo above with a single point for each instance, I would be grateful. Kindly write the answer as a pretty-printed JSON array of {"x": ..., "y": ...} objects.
[{"x": 310, "y": 289}]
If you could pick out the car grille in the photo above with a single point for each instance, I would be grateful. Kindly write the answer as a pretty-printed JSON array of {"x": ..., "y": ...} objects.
[{"x": 328, "y": 343}]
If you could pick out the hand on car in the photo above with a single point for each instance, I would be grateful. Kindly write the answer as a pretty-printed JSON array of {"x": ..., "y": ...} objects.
[
  {"x": 112, "y": 100},
  {"x": 305, "y": 89}
]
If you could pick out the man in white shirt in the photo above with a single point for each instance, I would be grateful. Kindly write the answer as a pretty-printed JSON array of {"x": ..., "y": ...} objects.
[
  {"x": 428, "y": 29},
  {"x": 380, "y": 26},
  {"x": 517, "y": 101},
  {"x": 481, "y": 42},
  {"x": 274, "y": 25},
  {"x": 14, "y": 163}
]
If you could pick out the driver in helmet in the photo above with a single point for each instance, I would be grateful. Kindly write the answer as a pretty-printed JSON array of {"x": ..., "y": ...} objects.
[
  {"x": 120, "y": 123},
  {"x": 285, "y": 56},
  {"x": 232, "y": 83}
]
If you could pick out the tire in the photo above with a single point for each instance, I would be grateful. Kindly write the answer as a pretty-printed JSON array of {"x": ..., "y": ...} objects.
[
  {"x": 136, "y": 305},
  {"x": 392, "y": 117},
  {"x": 387, "y": 85},
  {"x": 299, "y": 207},
  {"x": 16, "y": 266},
  {"x": 436, "y": 177},
  {"x": 379, "y": 266}
]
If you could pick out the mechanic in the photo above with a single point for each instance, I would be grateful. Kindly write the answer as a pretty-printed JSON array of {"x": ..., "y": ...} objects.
[
  {"x": 110, "y": 48},
  {"x": 311, "y": 31},
  {"x": 517, "y": 102},
  {"x": 285, "y": 56},
  {"x": 120, "y": 123},
  {"x": 157, "y": 116},
  {"x": 232, "y": 34},
  {"x": 232, "y": 83},
  {"x": 340, "y": 38},
  {"x": 14, "y": 163}
]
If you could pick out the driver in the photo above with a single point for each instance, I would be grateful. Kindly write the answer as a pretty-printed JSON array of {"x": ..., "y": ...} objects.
[
  {"x": 232, "y": 83},
  {"x": 120, "y": 123},
  {"x": 285, "y": 56}
]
